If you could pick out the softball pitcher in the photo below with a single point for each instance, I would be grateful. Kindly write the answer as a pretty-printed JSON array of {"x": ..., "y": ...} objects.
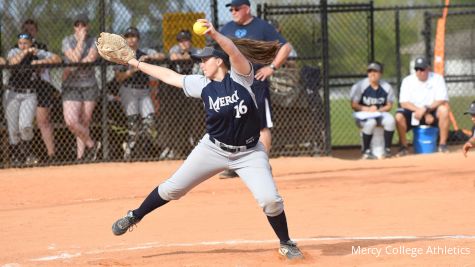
[
  {"x": 20, "y": 98},
  {"x": 232, "y": 138},
  {"x": 135, "y": 96}
]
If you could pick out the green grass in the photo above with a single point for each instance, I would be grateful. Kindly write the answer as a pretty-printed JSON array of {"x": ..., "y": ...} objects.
[{"x": 344, "y": 131}]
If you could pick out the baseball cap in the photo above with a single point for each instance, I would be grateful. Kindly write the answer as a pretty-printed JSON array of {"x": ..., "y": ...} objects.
[
  {"x": 183, "y": 35},
  {"x": 211, "y": 52},
  {"x": 375, "y": 66},
  {"x": 421, "y": 63},
  {"x": 471, "y": 110},
  {"x": 81, "y": 18},
  {"x": 132, "y": 31},
  {"x": 239, "y": 3}
]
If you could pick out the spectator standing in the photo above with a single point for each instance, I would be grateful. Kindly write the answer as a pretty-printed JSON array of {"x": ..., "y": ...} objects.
[
  {"x": 135, "y": 95},
  {"x": 45, "y": 94},
  {"x": 80, "y": 90},
  {"x": 245, "y": 25},
  {"x": 20, "y": 98},
  {"x": 374, "y": 96},
  {"x": 423, "y": 99}
]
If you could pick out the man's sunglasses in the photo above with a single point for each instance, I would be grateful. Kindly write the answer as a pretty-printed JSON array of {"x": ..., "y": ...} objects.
[
  {"x": 420, "y": 69},
  {"x": 231, "y": 9}
]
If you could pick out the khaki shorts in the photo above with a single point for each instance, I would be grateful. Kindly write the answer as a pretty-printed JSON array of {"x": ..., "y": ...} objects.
[{"x": 80, "y": 94}]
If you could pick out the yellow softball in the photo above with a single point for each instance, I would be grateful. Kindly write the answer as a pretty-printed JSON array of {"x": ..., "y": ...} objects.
[{"x": 199, "y": 28}]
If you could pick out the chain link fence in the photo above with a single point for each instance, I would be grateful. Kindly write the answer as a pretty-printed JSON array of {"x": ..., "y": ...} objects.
[{"x": 137, "y": 118}]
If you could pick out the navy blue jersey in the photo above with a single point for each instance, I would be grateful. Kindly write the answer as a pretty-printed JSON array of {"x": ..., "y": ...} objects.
[
  {"x": 138, "y": 79},
  {"x": 230, "y": 106},
  {"x": 258, "y": 29},
  {"x": 363, "y": 94}
]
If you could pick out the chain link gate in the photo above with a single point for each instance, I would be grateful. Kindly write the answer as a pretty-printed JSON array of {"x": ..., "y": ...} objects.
[{"x": 297, "y": 89}]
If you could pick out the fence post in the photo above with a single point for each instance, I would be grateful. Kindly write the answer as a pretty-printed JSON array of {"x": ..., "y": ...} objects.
[
  {"x": 398, "y": 51},
  {"x": 371, "y": 30},
  {"x": 426, "y": 33},
  {"x": 103, "y": 70},
  {"x": 325, "y": 72},
  {"x": 214, "y": 12},
  {"x": 259, "y": 11}
]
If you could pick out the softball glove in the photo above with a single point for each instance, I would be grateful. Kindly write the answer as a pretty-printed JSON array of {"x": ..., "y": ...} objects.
[{"x": 113, "y": 47}]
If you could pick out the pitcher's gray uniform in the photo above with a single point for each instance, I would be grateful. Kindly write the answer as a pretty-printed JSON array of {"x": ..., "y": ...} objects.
[{"x": 231, "y": 141}]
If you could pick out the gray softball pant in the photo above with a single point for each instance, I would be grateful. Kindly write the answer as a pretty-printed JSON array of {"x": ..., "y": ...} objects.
[
  {"x": 136, "y": 101},
  {"x": 387, "y": 121},
  {"x": 20, "y": 110},
  {"x": 207, "y": 159}
]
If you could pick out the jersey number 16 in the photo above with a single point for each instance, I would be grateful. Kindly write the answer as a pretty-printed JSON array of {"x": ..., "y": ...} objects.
[{"x": 240, "y": 109}]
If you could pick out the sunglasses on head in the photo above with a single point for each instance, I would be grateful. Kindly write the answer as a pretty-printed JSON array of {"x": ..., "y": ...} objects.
[
  {"x": 420, "y": 69},
  {"x": 24, "y": 36},
  {"x": 231, "y": 9},
  {"x": 79, "y": 23}
]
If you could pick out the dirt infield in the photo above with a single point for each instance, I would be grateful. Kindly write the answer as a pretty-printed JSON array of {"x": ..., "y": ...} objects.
[{"x": 412, "y": 211}]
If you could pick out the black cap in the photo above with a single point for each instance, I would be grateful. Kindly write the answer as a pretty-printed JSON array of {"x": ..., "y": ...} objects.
[
  {"x": 211, "y": 52},
  {"x": 375, "y": 66},
  {"x": 421, "y": 63},
  {"x": 471, "y": 110},
  {"x": 25, "y": 35},
  {"x": 239, "y": 3},
  {"x": 81, "y": 18},
  {"x": 132, "y": 31},
  {"x": 183, "y": 35}
]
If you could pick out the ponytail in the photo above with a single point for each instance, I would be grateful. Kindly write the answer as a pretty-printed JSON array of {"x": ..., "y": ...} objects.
[{"x": 258, "y": 52}]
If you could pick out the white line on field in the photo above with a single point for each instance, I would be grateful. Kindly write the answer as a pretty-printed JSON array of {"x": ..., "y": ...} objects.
[{"x": 66, "y": 255}]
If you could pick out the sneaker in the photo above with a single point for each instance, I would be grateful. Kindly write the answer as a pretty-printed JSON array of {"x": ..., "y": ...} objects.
[
  {"x": 93, "y": 152},
  {"x": 290, "y": 250},
  {"x": 387, "y": 153},
  {"x": 402, "y": 151},
  {"x": 228, "y": 174},
  {"x": 31, "y": 160},
  {"x": 443, "y": 149},
  {"x": 127, "y": 151},
  {"x": 369, "y": 155},
  {"x": 125, "y": 223}
]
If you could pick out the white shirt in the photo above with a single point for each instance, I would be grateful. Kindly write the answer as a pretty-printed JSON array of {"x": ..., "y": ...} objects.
[{"x": 423, "y": 93}]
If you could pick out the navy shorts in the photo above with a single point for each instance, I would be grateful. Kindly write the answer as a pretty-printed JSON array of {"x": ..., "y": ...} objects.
[
  {"x": 261, "y": 91},
  {"x": 45, "y": 93},
  {"x": 408, "y": 115}
]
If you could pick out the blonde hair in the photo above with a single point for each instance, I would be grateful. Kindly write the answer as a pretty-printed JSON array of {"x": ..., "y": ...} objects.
[{"x": 258, "y": 52}]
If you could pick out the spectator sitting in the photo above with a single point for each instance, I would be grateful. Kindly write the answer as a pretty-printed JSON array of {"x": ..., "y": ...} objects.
[
  {"x": 374, "y": 95},
  {"x": 471, "y": 142},
  {"x": 423, "y": 98}
]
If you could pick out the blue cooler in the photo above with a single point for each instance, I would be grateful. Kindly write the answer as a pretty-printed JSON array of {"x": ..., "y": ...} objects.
[{"x": 425, "y": 139}]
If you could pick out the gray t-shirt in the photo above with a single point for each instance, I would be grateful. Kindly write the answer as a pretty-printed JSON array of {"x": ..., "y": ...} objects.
[{"x": 80, "y": 76}]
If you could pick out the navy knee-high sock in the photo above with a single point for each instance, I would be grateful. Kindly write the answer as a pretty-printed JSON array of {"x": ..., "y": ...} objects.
[
  {"x": 279, "y": 224},
  {"x": 150, "y": 203},
  {"x": 388, "y": 138},
  {"x": 366, "y": 141}
]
